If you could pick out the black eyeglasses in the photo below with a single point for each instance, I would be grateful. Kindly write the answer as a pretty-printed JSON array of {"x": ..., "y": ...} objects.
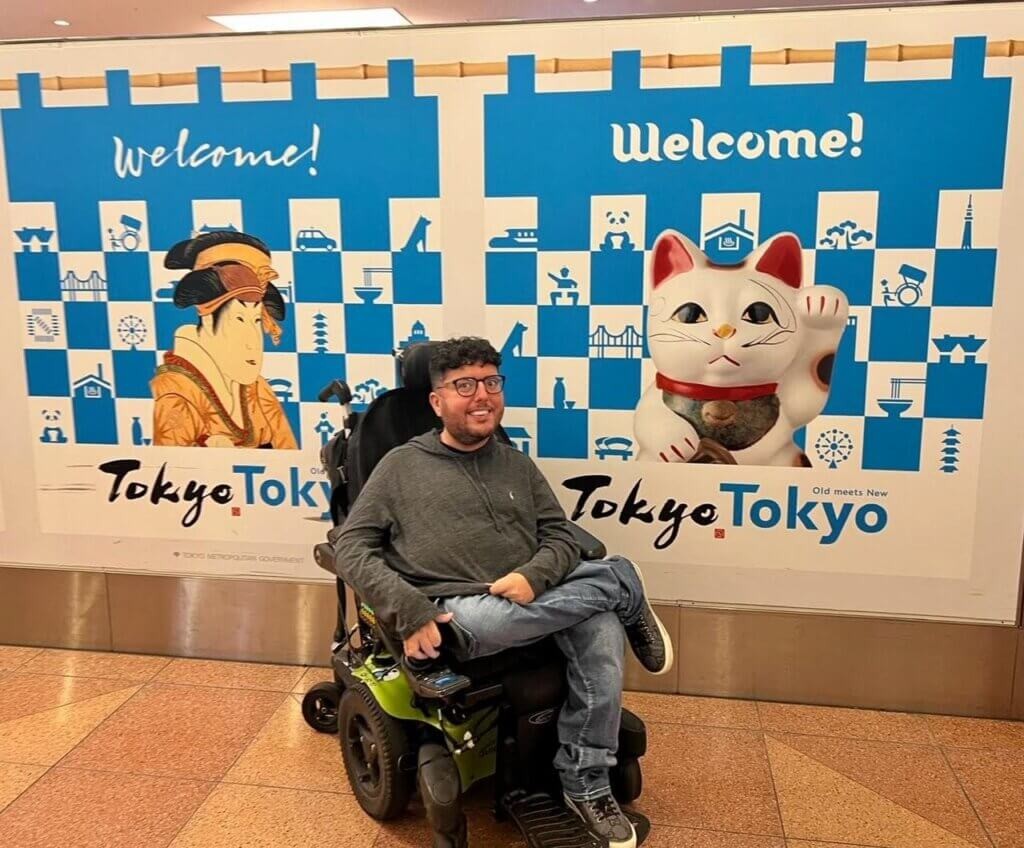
[{"x": 466, "y": 386}]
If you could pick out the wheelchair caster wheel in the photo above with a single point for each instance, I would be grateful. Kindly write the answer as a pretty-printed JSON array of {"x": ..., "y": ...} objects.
[{"x": 320, "y": 707}]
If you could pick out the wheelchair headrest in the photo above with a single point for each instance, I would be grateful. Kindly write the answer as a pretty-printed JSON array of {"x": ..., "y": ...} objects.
[{"x": 416, "y": 366}]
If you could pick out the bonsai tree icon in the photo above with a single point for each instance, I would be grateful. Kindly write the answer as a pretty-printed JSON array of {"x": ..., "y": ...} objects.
[{"x": 845, "y": 234}]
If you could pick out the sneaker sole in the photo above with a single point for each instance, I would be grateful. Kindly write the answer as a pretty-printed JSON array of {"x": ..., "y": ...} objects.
[
  {"x": 669, "y": 653},
  {"x": 622, "y": 843}
]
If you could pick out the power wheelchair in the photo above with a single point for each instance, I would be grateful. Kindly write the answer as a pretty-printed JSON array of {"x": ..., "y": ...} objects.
[{"x": 395, "y": 736}]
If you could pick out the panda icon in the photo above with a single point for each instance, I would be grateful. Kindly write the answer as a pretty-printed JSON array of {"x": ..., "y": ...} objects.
[
  {"x": 617, "y": 238},
  {"x": 53, "y": 433}
]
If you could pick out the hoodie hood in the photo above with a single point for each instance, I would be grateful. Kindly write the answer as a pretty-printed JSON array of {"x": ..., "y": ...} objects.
[{"x": 430, "y": 442}]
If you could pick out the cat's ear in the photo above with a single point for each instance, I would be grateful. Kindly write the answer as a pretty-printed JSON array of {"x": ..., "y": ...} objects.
[
  {"x": 781, "y": 258},
  {"x": 673, "y": 254}
]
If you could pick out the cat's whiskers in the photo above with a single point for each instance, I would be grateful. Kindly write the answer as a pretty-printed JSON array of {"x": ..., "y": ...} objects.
[
  {"x": 676, "y": 337},
  {"x": 771, "y": 338}
]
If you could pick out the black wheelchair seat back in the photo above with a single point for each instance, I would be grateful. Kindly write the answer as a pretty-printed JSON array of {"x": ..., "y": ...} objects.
[{"x": 392, "y": 419}]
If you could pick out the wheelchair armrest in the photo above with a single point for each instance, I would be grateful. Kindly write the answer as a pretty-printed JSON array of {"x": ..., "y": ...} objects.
[
  {"x": 431, "y": 679},
  {"x": 323, "y": 555},
  {"x": 590, "y": 546}
]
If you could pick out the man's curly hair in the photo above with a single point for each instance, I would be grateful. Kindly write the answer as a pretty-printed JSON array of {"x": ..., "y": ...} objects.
[{"x": 456, "y": 353}]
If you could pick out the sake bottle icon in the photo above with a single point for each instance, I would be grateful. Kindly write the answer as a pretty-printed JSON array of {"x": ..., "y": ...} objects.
[
  {"x": 559, "y": 393},
  {"x": 137, "y": 437}
]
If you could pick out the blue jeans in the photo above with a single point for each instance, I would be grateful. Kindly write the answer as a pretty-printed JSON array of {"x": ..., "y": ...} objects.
[{"x": 585, "y": 614}]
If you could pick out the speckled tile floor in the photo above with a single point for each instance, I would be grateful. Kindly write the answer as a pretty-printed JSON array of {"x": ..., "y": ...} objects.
[{"x": 111, "y": 750}]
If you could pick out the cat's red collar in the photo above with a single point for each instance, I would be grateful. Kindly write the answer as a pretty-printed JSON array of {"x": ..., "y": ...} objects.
[{"x": 698, "y": 391}]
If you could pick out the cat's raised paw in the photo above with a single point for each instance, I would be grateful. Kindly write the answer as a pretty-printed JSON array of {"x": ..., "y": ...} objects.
[{"x": 822, "y": 306}]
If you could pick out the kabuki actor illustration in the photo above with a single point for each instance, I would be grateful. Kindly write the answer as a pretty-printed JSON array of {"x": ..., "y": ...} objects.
[{"x": 209, "y": 390}]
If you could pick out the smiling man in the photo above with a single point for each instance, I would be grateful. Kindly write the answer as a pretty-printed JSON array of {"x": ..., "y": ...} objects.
[{"x": 458, "y": 529}]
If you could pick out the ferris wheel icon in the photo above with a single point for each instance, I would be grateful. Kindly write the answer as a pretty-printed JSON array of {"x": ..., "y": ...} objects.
[
  {"x": 132, "y": 330},
  {"x": 834, "y": 446}
]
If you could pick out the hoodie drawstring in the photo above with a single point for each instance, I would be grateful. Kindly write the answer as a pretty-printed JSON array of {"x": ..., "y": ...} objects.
[
  {"x": 478, "y": 484},
  {"x": 475, "y": 479}
]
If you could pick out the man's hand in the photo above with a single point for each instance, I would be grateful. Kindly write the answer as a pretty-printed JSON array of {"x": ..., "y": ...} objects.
[
  {"x": 515, "y": 587},
  {"x": 423, "y": 644}
]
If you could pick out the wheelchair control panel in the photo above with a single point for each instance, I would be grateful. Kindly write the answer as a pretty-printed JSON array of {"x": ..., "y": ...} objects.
[{"x": 429, "y": 680}]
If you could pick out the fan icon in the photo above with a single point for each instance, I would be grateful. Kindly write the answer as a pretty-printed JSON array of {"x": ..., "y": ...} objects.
[
  {"x": 132, "y": 330},
  {"x": 834, "y": 446}
]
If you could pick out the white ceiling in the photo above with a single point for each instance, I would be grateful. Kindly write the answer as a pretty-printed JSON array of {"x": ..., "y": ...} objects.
[{"x": 20, "y": 19}]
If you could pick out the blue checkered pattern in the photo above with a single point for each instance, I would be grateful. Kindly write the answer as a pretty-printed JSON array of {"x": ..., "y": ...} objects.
[
  {"x": 359, "y": 265},
  {"x": 895, "y": 226}
]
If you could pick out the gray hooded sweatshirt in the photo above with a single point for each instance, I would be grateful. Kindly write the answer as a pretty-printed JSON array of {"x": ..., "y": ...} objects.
[{"x": 433, "y": 522}]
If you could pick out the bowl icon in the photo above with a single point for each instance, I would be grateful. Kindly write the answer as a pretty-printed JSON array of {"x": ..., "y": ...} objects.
[
  {"x": 895, "y": 407},
  {"x": 368, "y": 294}
]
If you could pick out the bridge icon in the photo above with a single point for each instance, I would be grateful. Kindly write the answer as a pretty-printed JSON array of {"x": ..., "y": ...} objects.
[{"x": 629, "y": 344}]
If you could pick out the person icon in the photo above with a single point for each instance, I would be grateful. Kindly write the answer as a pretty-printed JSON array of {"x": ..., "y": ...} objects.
[
  {"x": 564, "y": 284},
  {"x": 563, "y": 280},
  {"x": 324, "y": 428}
]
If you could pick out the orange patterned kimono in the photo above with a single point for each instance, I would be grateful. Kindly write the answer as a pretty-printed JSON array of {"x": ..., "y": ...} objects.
[{"x": 188, "y": 412}]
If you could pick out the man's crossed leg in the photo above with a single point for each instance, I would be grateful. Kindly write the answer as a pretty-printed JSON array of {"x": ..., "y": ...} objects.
[{"x": 591, "y": 614}]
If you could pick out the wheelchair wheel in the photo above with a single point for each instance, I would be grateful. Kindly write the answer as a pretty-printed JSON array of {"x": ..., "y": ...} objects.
[
  {"x": 320, "y": 707},
  {"x": 372, "y": 745},
  {"x": 627, "y": 781}
]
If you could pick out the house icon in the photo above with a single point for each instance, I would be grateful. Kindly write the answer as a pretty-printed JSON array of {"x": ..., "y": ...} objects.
[
  {"x": 520, "y": 438},
  {"x": 93, "y": 386},
  {"x": 729, "y": 243}
]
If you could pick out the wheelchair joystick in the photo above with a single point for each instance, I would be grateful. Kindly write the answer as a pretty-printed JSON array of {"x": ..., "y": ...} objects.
[
  {"x": 432, "y": 679},
  {"x": 323, "y": 555}
]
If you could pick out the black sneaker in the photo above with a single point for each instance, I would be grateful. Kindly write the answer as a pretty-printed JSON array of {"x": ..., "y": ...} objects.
[
  {"x": 648, "y": 637},
  {"x": 603, "y": 818}
]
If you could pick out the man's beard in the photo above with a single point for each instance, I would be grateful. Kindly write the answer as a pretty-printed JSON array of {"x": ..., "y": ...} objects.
[{"x": 464, "y": 436}]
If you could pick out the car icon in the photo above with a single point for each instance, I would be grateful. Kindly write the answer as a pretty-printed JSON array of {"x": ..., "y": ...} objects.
[{"x": 314, "y": 240}]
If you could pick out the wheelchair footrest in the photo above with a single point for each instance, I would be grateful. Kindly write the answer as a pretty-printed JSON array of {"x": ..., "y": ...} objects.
[{"x": 544, "y": 822}]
